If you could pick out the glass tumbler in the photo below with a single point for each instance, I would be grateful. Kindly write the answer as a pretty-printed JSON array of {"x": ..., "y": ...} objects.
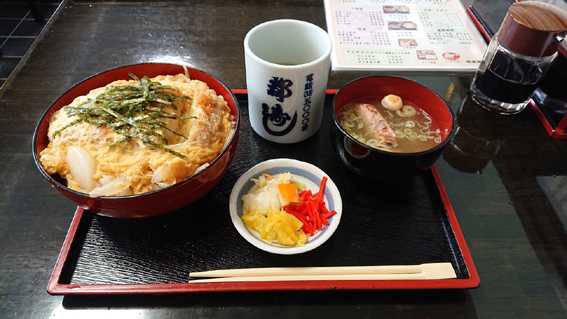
[
  {"x": 518, "y": 56},
  {"x": 552, "y": 92}
]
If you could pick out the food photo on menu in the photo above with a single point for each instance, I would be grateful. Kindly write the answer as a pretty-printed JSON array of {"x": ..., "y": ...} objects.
[{"x": 291, "y": 155}]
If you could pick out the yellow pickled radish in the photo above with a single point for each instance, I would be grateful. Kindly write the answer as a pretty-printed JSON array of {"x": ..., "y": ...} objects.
[{"x": 276, "y": 226}]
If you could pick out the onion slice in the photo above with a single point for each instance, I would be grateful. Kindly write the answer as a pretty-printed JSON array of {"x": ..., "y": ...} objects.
[
  {"x": 116, "y": 187},
  {"x": 82, "y": 167}
]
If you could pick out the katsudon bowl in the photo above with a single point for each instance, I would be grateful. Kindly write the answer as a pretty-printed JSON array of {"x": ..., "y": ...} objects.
[
  {"x": 383, "y": 163},
  {"x": 154, "y": 202}
]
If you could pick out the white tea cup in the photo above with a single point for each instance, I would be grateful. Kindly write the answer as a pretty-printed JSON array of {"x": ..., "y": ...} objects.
[{"x": 287, "y": 67}]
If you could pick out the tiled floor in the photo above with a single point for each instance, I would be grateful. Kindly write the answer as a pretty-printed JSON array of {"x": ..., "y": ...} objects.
[{"x": 20, "y": 23}]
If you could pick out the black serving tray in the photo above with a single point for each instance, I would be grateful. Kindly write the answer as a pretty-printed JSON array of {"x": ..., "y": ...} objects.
[{"x": 383, "y": 223}]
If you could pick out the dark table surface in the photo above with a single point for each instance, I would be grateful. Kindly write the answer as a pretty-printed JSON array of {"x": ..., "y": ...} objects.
[{"x": 506, "y": 178}]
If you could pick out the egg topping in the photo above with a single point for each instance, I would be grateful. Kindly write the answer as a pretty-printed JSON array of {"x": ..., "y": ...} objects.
[{"x": 135, "y": 136}]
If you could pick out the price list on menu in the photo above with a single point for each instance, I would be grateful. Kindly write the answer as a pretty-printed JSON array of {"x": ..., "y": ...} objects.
[{"x": 403, "y": 35}]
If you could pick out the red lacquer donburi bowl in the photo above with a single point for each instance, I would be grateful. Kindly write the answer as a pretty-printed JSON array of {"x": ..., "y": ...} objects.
[{"x": 155, "y": 202}]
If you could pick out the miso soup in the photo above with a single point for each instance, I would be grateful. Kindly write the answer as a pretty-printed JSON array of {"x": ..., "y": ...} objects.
[{"x": 408, "y": 129}]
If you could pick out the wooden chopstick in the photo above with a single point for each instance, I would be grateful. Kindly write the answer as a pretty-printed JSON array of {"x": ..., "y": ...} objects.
[
  {"x": 324, "y": 277},
  {"x": 423, "y": 271}
]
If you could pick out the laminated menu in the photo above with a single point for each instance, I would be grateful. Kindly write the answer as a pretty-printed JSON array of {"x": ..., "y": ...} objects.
[{"x": 403, "y": 35}]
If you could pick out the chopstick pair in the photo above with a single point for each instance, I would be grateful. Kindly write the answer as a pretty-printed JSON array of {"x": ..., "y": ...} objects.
[{"x": 425, "y": 271}]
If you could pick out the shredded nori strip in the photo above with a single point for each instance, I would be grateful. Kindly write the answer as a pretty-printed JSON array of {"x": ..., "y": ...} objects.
[{"x": 133, "y": 111}]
